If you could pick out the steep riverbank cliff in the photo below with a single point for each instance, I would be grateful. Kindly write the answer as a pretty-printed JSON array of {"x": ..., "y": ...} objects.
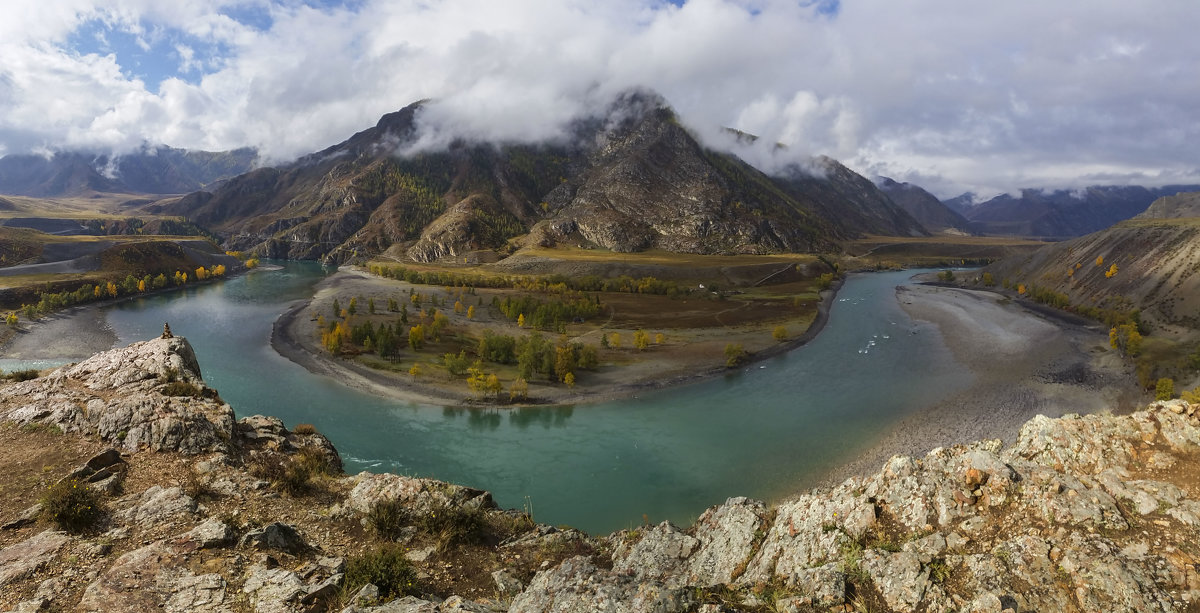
[{"x": 185, "y": 508}]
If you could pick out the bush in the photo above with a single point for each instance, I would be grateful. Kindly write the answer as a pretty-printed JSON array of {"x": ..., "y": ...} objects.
[
  {"x": 73, "y": 506},
  {"x": 1165, "y": 389},
  {"x": 452, "y": 525},
  {"x": 182, "y": 388},
  {"x": 22, "y": 375},
  {"x": 304, "y": 429},
  {"x": 389, "y": 518},
  {"x": 780, "y": 333},
  {"x": 293, "y": 474},
  {"x": 735, "y": 354},
  {"x": 386, "y": 568}
]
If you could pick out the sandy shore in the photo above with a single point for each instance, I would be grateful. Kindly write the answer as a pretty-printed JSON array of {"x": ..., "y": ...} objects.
[
  {"x": 70, "y": 335},
  {"x": 294, "y": 337},
  {"x": 1025, "y": 361}
]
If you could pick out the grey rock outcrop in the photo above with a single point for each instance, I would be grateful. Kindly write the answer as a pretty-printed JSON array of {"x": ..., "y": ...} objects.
[{"x": 122, "y": 397}]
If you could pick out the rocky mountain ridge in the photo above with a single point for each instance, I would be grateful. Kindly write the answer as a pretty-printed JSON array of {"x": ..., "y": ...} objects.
[
  {"x": 932, "y": 213},
  {"x": 1088, "y": 513},
  {"x": 628, "y": 180}
]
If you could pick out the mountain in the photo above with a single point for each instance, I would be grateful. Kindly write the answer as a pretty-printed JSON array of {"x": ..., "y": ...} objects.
[
  {"x": 1156, "y": 272},
  {"x": 628, "y": 180},
  {"x": 152, "y": 170},
  {"x": 1061, "y": 213},
  {"x": 1181, "y": 205},
  {"x": 923, "y": 206}
]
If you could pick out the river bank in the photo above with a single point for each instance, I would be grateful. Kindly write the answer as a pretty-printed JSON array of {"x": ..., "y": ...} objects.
[
  {"x": 678, "y": 362},
  {"x": 1025, "y": 362}
]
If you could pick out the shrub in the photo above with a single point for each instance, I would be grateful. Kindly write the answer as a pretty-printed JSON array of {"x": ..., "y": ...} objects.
[
  {"x": 295, "y": 473},
  {"x": 389, "y": 518},
  {"x": 779, "y": 333},
  {"x": 453, "y": 525},
  {"x": 1165, "y": 389},
  {"x": 946, "y": 276},
  {"x": 72, "y": 506},
  {"x": 304, "y": 429},
  {"x": 22, "y": 375},
  {"x": 1192, "y": 396},
  {"x": 735, "y": 354},
  {"x": 386, "y": 568},
  {"x": 182, "y": 388}
]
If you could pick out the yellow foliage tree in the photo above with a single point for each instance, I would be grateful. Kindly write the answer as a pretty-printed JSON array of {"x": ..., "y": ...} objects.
[
  {"x": 519, "y": 390},
  {"x": 201, "y": 274},
  {"x": 1112, "y": 271},
  {"x": 111, "y": 288},
  {"x": 614, "y": 341},
  {"x": 779, "y": 333},
  {"x": 470, "y": 312},
  {"x": 1099, "y": 260},
  {"x": 659, "y": 338},
  {"x": 569, "y": 379},
  {"x": 521, "y": 320},
  {"x": 1021, "y": 289},
  {"x": 458, "y": 307},
  {"x": 641, "y": 340}
]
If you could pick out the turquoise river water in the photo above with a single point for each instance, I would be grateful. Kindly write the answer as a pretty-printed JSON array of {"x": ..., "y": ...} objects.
[{"x": 766, "y": 431}]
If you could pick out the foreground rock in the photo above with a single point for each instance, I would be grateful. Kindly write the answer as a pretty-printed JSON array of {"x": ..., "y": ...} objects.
[{"x": 1090, "y": 513}]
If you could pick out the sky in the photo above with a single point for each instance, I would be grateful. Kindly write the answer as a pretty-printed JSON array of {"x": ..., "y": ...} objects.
[{"x": 952, "y": 95}]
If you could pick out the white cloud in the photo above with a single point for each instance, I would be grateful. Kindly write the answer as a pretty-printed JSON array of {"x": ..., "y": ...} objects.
[{"x": 987, "y": 97}]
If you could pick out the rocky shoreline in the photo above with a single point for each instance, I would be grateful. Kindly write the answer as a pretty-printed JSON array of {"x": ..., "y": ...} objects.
[{"x": 1086, "y": 513}]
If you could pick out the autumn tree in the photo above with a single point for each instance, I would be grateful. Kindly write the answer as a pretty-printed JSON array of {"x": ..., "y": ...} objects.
[
  {"x": 988, "y": 279},
  {"x": 353, "y": 308},
  {"x": 735, "y": 354},
  {"x": 458, "y": 307},
  {"x": 1099, "y": 261},
  {"x": 416, "y": 337},
  {"x": 11, "y": 319},
  {"x": 615, "y": 340},
  {"x": 641, "y": 340},
  {"x": 1111, "y": 272},
  {"x": 780, "y": 333},
  {"x": 1164, "y": 389},
  {"x": 519, "y": 390},
  {"x": 659, "y": 338},
  {"x": 1126, "y": 339},
  {"x": 471, "y": 312}
]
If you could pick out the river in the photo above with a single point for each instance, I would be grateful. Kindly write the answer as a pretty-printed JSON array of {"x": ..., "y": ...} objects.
[{"x": 765, "y": 431}]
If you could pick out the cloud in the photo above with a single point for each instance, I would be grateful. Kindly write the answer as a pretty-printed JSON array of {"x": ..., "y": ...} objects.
[{"x": 987, "y": 98}]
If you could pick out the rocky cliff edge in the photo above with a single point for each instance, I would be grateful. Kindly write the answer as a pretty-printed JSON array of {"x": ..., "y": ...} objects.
[{"x": 205, "y": 513}]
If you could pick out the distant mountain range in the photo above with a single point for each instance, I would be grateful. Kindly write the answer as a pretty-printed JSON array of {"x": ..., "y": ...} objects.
[
  {"x": 932, "y": 213},
  {"x": 152, "y": 170},
  {"x": 1059, "y": 214},
  {"x": 629, "y": 180}
]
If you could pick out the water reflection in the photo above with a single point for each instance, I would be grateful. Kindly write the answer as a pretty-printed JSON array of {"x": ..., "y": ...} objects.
[{"x": 546, "y": 417}]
